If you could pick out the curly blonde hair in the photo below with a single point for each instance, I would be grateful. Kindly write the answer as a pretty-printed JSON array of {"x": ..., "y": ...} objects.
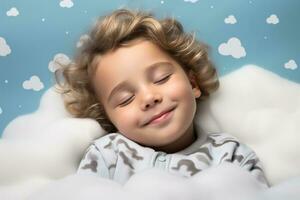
[{"x": 118, "y": 29}]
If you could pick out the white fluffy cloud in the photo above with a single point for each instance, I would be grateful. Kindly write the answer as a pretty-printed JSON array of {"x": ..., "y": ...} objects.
[
  {"x": 191, "y": 1},
  {"x": 230, "y": 19},
  {"x": 59, "y": 60},
  {"x": 13, "y": 12},
  {"x": 291, "y": 64},
  {"x": 40, "y": 147},
  {"x": 66, "y": 3},
  {"x": 272, "y": 19},
  {"x": 34, "y": 83},
  {"x": 157, "y": 184},
  {"x": 233, "y": 48},
  {"x": 4, "y": 47},
  {"x": 1, "y": 111},
  {"x": 39, "y": 152},
  {"x": 257, "y": 107},
  {"x": 82, "y": 40}
]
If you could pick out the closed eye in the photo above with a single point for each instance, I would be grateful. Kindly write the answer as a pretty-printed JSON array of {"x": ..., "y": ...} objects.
[
  {"x": 164, "y": 79},
  {"x": 126, "y": 101}
]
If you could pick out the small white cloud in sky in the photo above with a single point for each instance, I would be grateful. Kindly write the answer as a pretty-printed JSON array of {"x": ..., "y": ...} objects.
[
  {"x": 230, "y": 19},
  {"x": 66, "y": 3},
  {"x": 4, "y": 47},
  {"x": 13, "y": 12},
  {"x": 232, "y": 48},
  {"x": 291, "y": 64},
  {"x": 59, "y": 60},
  {"x": 1, "y": 110},
  {"x": 82, "y": 39},
  {"x": 272, "y": 19},
  {"x": 191, "y": 1},
  {"x": 34, "y": 83}
]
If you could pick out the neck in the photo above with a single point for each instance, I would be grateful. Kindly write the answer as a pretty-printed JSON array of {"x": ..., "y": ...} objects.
[{"x": 181, "y": 143}]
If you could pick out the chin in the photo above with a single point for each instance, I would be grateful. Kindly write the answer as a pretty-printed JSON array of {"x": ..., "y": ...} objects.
[{"x": 167, "y": 139}]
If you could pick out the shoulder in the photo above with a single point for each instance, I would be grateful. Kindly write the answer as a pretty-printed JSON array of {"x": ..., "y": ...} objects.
[
  {"x": 220, "y": 139},
  {"x": 105, "y": 140},
  {"x": 116, "y": 142},
  {"x": 229, "y": 147}
]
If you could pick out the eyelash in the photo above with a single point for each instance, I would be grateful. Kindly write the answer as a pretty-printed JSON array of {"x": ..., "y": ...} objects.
[
  {"x": 164, "y": 79},
  {"x": 128, "y": 100}
]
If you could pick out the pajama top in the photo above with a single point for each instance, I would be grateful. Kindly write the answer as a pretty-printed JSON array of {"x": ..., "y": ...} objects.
[{"x": 115, "y": 157}]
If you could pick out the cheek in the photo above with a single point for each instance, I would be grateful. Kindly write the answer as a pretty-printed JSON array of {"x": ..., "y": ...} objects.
[
  {"x": 124, "y": 119},
  {"x": 180, "y": 90}
]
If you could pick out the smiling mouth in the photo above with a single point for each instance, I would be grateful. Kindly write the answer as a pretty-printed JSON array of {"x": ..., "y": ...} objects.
[{"x": 161, "y": 118}]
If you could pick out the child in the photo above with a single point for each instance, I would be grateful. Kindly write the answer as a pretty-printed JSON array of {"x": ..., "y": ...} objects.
[{"x": 140, "y": 78}]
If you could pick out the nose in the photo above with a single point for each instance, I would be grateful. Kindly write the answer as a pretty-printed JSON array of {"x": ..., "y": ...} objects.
[{"x": 150, "y": 98}]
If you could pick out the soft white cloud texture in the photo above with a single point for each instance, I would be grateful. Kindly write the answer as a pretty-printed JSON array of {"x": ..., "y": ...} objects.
[
  {"x": 39, "y": 152},
  {"x": 82, "y": 40},
  {"x": 13, "y": 12},
  {"x": 230, "y": 19},
  {"x": 38, "y": 148},
  {"x": 66, "y": 3},
  {"x": 233, "y": 48},
  {"x": 291, "y": 64},
  {"x": 1, "y": 111},
  {"x": 34, "y": 83},
  {"x": 59, "y": 60},
  {"x": 158, "y": 185},
  {"x": 4, "y": 47},
  {"x": 263, "y": 110},
  {"x": 272, "y": 19}
]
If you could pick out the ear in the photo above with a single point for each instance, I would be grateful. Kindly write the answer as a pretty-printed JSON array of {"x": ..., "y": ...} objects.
[{"x": 195, "y": 86}]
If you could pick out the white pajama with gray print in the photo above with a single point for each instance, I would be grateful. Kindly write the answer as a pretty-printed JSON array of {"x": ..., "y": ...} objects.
[{"x": 115, "y": 157}]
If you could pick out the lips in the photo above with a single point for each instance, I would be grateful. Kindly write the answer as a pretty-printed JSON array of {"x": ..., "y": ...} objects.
[{"x": 157, "y": 116}]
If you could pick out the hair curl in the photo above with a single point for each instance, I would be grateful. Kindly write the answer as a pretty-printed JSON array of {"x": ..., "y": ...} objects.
[{"x": 118, "y": 29}]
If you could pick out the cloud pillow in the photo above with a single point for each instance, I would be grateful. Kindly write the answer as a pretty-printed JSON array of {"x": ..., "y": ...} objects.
[{"x": 258, "y": 107}]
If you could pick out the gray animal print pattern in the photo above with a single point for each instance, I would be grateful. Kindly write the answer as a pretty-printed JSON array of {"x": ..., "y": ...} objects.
[
  {"x": 132, "y": 157},
  {"x": 190, "y": 166},
  {"x": 92, "y": 165},
  {"x": 126, "y": 160}
]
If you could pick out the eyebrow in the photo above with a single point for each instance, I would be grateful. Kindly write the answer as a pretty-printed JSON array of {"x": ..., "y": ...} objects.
[{"x": 150, "y": 69}]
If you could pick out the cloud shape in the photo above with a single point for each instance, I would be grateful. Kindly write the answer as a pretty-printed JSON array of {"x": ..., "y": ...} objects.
[
  {"x": 52, "y": 142},
  {"x": 49, "y": 140},
  {"x": 272, "y": 19},
  {"x": 233, "y": 47},
  {"x": 230, "y": 19},
  {"x": 191, "y": 1},
  {"x": 1, "y": 111},
  {"x": 13, "y": 12},
  {"x": 4, "y": 47},
  {"x": 291, "y": 64},
  {"x": 66, "y": 3},
  {"x": 156, "y": 184},
  {"x": 82, "y": 40},
  {"x": 59, "y": 60},
  {"x": 262, "y": 106},
  {"x": 34, "y": 83}
]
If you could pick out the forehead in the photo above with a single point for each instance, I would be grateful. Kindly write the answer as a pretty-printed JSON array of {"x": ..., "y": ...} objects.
[
  {"x": 127, "y": 62},
  {"x": 136, "y": 55}
]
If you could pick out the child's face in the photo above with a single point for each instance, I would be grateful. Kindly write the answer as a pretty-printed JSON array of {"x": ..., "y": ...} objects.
[{"x": 140, "y": 82}]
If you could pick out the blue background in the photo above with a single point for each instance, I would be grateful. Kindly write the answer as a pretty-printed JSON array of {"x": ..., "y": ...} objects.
[{"x": 44, "y": 28}]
